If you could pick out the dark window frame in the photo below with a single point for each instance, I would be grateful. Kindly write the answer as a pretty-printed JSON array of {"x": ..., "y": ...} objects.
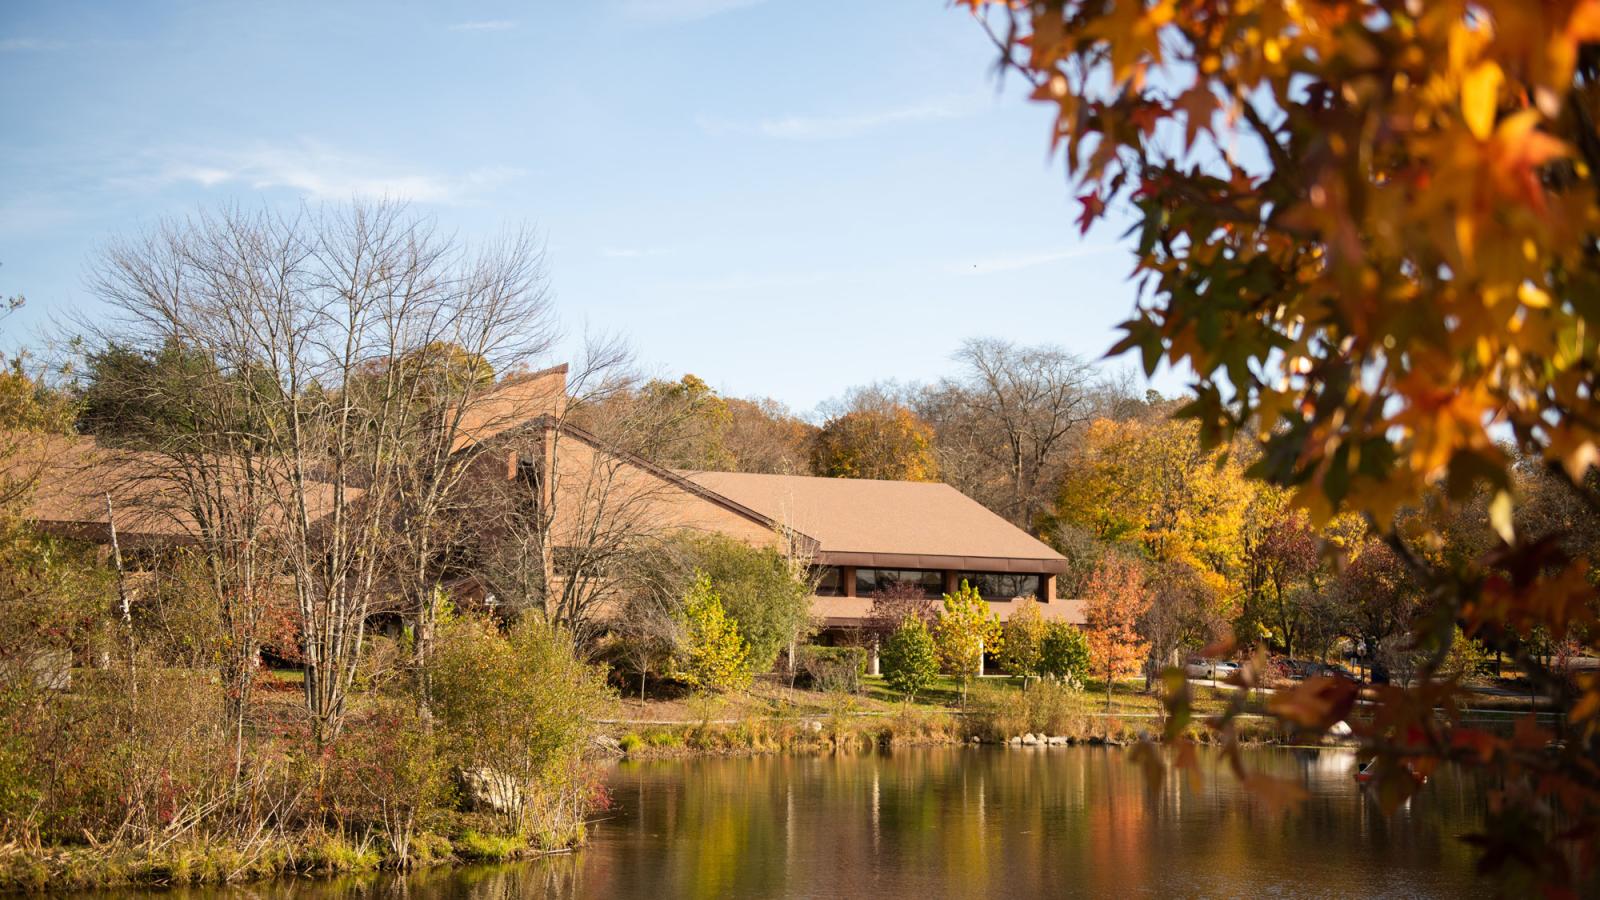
[
  {"x": 978, "y": 579},
  {"x": 822, "y": 589},
  {"x": 931, "y": 580}
]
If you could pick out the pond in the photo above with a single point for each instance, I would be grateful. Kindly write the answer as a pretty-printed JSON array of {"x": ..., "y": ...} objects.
[{"x": 980, "y": 822}]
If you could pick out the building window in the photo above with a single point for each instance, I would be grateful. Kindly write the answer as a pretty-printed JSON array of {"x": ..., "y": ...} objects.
[
  {"x": 830, "y": 581},
  {"x": 998, "y": 586},
  {"x": 871, "y": 581}
]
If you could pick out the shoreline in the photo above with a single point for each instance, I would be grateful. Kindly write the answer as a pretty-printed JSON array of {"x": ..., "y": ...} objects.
[{"x": 324, "y": 855}]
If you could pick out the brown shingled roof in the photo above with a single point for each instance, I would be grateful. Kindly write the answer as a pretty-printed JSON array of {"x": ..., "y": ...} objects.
[
  {"x": 514, "y": 402},
  {"x": 74, "y": 473},
  {"x": 890, "y": 524}
]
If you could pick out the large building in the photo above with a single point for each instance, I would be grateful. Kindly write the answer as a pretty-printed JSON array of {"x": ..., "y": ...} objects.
[
  {"x": 870, "y": 534},
  {"x": 862, "y": 536}
]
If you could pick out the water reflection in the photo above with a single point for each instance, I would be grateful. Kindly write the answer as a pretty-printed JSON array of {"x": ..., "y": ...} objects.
[{"x": 974, "y": 822}]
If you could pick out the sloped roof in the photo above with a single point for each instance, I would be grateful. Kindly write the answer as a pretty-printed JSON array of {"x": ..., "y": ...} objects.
[
  {"x": 72, "y": 474},
  {"x": 514, "y": 402},
  {"x": 891, "y": 524}
]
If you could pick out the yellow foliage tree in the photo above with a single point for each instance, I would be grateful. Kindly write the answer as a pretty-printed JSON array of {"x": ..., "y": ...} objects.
[{"x": 887, "y": 443}]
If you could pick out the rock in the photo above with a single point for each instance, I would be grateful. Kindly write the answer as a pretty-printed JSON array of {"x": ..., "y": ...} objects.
[
  {"x": 1030, "y": 739},
  {"x": 607, "y": 744},
  {"x": 1015, "y": 741},
  {"x": 975, "y": 740},
  {"x": 1058, "y": 740},
  {"x": 812, "y": 725},
  {"x": 485, "y": 790}
]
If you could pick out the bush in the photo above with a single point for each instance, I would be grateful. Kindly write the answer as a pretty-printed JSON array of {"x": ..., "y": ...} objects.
[
  {"x": 832, "y": 669},
  {"x": 764, "y": 596},
  {"x": 1045, "y": 708},
  {"x": 522, "y": 707},
  {"x": 909, "y": 659},
  {"x": 1023, "y": 634},
  {"x": 718, "y": 659},
  {"x": 385, "y": 773},
  {"x": 1064, "y": 654}
]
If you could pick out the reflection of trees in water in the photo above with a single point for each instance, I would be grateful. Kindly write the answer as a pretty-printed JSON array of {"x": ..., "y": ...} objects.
[{"x": 975, "y": 822}]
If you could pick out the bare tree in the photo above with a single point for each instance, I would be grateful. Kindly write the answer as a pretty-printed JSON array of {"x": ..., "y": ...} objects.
[
  {"x": 324, "y": 405},
  {"x": 1003, "y": 427}
]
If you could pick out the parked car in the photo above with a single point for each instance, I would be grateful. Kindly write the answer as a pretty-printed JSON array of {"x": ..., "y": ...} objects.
[
  {"x": 1214, "y": 669},
  {"x": 1300, "y": 669}
]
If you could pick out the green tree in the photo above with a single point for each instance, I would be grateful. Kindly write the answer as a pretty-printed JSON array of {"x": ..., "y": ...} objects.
[
  {"x": 909, "y": 659},
  {"x": 1021, "y": 638},
  {"x": 716, "y": 658},
  {"x": 966, "y": 627},
  {"x": 1064, "y": 653},
  {"x": 761, "y": 591}
]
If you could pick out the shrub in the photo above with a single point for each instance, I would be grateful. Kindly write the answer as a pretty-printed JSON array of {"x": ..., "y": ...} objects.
[
  {"x": 1022, "y": 635},
  {"x": 1064, "y": 654},
  {"x": 766, "y": 598},
  {"x": 832, "y": 669},
  {"x": 522, "y": 707},
  {"x": 1046, "y": 708},
  {"x": 630, "y": 742},
  {"x": 909, "y": 659},
  {"x": 718, "y": 660},
  {"x": 386, "y": 774}
]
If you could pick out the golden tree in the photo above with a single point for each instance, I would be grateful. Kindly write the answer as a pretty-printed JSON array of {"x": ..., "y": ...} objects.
[
  {"x": 887, "y": 442},
  {"x": 1368, "y": 228}
]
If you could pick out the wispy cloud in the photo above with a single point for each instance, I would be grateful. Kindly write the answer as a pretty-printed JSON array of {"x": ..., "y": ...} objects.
[
  {"x": 485, "y": 25},
  {"x": 664, "y": 11},
  {"x": 1011, "y": 263},
  {"x": 319, "y": 172},
  {"x": 822, "y": 128},
  {"x": 28, "y": 44}
]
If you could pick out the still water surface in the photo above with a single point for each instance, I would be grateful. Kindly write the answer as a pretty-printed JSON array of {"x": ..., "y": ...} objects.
[{"x": 977, "y": 822}]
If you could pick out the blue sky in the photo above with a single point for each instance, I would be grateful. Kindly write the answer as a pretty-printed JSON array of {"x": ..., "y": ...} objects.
[{"x": 786, "y": 198}]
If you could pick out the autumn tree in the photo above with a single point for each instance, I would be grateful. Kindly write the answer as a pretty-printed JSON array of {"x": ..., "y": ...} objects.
[
  {"x": 1283, "y": 562},
  {"x": 965, "y": 630},
  {"x": 875, "y": 436},
  {"x": 1185, "y": 612},
  {"x": 1021, "y": 637},
  {"x": 1367, "y": 229},
  {"x": 1115, "y": 598},
  {"x": 1150, "y": 484},
  {"x": 715, "y": 658},
  {"x": 763, "y": 435}
]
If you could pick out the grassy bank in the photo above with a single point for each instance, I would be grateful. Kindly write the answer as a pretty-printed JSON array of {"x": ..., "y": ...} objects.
[
  {"x": 214, "y": 861},
  {"x": 771, "y": 718}
]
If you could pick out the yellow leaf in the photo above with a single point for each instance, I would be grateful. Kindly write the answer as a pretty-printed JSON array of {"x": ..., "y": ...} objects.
[
  {"x": 1480, "y": 95},
  {"x": 1500, "y": 510}
]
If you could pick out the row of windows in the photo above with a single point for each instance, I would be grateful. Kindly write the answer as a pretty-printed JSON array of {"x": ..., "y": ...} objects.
[{"x": 990, "y": 585}]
